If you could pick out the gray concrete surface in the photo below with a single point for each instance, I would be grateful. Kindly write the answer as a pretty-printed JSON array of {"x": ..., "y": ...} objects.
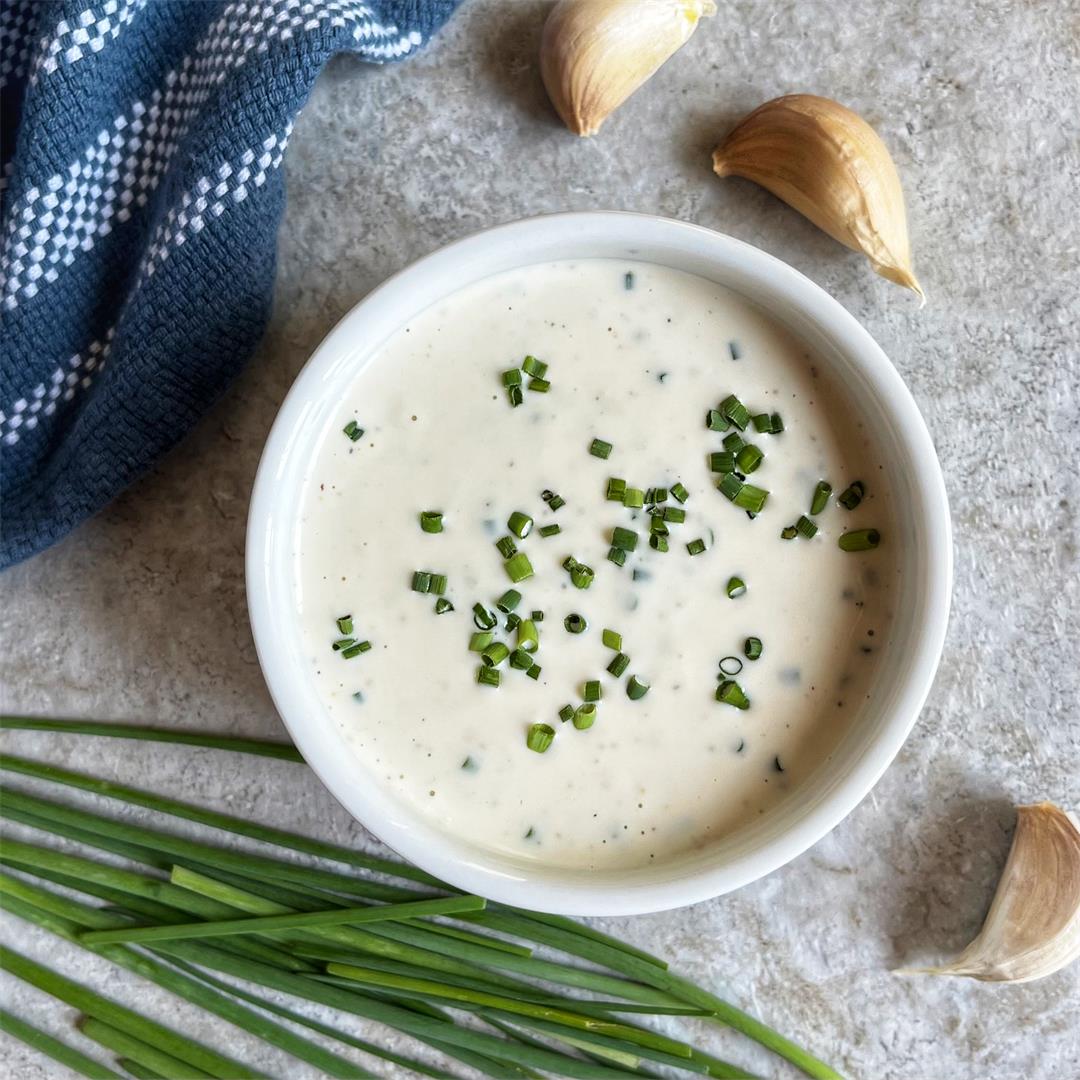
[{"x": 140, "y": 614}]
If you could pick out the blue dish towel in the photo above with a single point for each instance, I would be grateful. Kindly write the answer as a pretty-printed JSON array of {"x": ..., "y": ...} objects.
[{"x": 141, "y": 143}]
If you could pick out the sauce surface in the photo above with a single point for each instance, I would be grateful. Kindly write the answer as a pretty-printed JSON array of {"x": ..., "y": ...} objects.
[{"x": 637, "y": 354}]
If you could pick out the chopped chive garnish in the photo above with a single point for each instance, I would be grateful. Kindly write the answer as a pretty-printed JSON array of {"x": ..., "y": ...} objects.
[
  {"x": 628, "y": 280},
  {"x": 483, "y": 619},
  {"x": 536, "y": 368},
  {"x": 534, "y": 671},
  {"x": 539, "y": 386},
  {"x": 748, "y": 458},
  {"x": 515, "y": 395},
  {"x": 616, "y": 489},
  {"x": 624, "y": 538},
  {"x": 566, "y": 713},
  {"x": 634, "y": 498},
  {"x": 674, "y": 514},
  {"x": 658, "y": 542},
  {"x": 735, "y": 350},
  {"x": 442, "y": 606},
  {"x": 488, "y": 676},
  {"x": 519, "y": 568},
  {"x": 537, "y": 615},
  {"x": 513, "y": 621},
  {"x": 506, "y": 546},
  {"x": 569, "y": 563},
  {"x": 585, "y": 716},
  {"x": 591, "y": 691},
  {"x": 820, "y": 499},
  {"x": 600, "y": 448},
  {"x": 549, "y": 530},
  {"x": 353, "y": 430},
  {"x": 730, "y": 486},
  {"x": 343, "y": 643},
  {"x": 762, "y": 423},
  {"x": 752, "y": 648},
  {"x": 356, "y": 650},
  {"x": 581, "y": 575},
  {"x": 540, "y": 737},
  {"x": 636, "y": 688},
  {"x": 657, "y": 525},
  {"x": 520, "y": 660},
  {"x": 805, "y": 527},
  {"x": 860, "y": 540},
  {"x": 735, "y": 587},
  {"x": 575, "y": 623},
  {"x": 734, "y": 442},
  {"x": 495, "y": 654},
  {"x": 735, "y": 411},
  {"x": 656, "y": 495},
  {"x": 438, "y": 584},
  {"x": 345, "y": 624},
  {"x": 731, "y": 693},
  {"x": 617, "y": 556},
  {"x": 722, "y": 461},
  {"x": 479, "y": 641},
  {"x": 679, "y": 492},
  {"x": 555, "y": 502},
  {"x": 715, "y": 420},
  {"x": 751, "y": 498},
  {"x": 508, "y": 601},
  {"x": 789, "y": 532},
  {"x": 431, "y": 521},
  {"x": 421, "y": 581},
  {"x": 777, "y": 424},
  {"x": 619, "y": 663},
  {"x": 519, "y": 524},
  {"x": 852, "y": 495},
  {"x": 696, "y": 547},
  {"x": 528, "y": 637},
  {"x": 612, "y": 639},
  {"x": 730, "y": 665},
  {"x": 511, "y": 377}
]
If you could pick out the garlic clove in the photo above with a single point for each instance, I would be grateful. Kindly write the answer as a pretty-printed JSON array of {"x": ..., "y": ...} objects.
[
  {"x": 595, "y": 53},
  {"x": 830, "y": 165},
  {"x": 1033, "y": 926}
]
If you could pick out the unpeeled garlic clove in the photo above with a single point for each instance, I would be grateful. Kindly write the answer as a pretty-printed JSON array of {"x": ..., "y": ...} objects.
[
  {"x": 595, "y": 53},
  {"x": 830, "y": 165},
  {"x": 1033, "y": 926}
]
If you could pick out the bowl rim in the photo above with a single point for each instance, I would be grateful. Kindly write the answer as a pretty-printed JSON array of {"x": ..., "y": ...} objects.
[{"x": 465, "y": 866}]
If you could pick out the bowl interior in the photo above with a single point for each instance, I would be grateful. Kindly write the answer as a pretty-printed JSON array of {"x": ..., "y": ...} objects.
[{"x": 875, "y": 390}]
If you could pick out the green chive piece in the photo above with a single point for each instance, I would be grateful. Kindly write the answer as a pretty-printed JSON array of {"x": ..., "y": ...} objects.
[
  {"x": 438, "y": 584},
  {"x": 722, "y": 461},
  {"x": 696, "y": 547},
  {"x": 355, "y": 650},
  {"x": 805, "y": 527},
  {"x": 488, "y": 676},
  {"x": 553, "y": 500},
  {"x": 616, "y": 490},
  {"x": 852, "y": 495},
  {"x": 534, "y": 671},
  {"x": 516, "y": 396},
  {"x": 789, "y": 532},
  {"x": 421, "y": 581},
  {"x": 520, "y": 524},
  {"x": 752, "y": 648},
  {"x": 657, "y": 525},
  {"x": 751, "y": 498},
  {"x": 345, "y": 624},
  {"x": 600, "y": 448},
  {"x": 520, "y": 660},
  {"x": 343, "y": 643},
  {"x": 730, "y": 665},
  {"x": 539, "y": 386},
  {"x": 549, "y": 530},
  {"x": 506, "y": 546},
  {"x": 353, "y": 430},
  {"x": 626, "y": 539},
  {"x": 566, "y": 713},
  {"x": 540, "y": 737},
  {"x": 612, "y": 639},
  {"x": 513, "y": 621},
  {"x": 715, "y": 420},
  {"x": 656, "y": 495},
  {"x": 658, "y": 542},
  {"x": 730, "y": 486},
  {"x": 735, "y": 587},
  {"x": 442, "y": 606},
  {"x": 735, "y": 411},
  {"x": 528, "y": 637},
  {"x": 636, "y": 688},
  {"x": 431, "y": 521},
  {"x": 591, "y": 691},
  {"x": 581, "y": 576},
  {"x": 575, "y": 623},
  {"x": 619, "y": 663},
  {"x": 777, "y": 424},
  {"x": 634, "y": 498},
  {"x": 679, "y": 492},
  {"x": 495, "y": 654},
  {"x": 536, "y": 615},
  {"x": 734, "y": 442},
  {"x": 508, "y": 601},
  {"x": 820, "y": 498},
  {"x": 585, "y": 716},
  {"x": 748, "y": 458},
  {"x": 483, "y": 619},
  {"x": 511, "y": 377},
  {"x": 860, "y": 540},
  {"x": 731, "y": 693},
  {"x": 762, "y": 423},
  {"x": 617, "y": 556},
  {"x": 519, "y": 568},
  {"x": 674, "y": 514},
  {"x": 536, "y": 368},
  {"x": 480, "y": 640}
]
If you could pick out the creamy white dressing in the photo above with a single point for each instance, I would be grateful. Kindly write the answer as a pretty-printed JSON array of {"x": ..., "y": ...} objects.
[{"x": 638, "y": 367}]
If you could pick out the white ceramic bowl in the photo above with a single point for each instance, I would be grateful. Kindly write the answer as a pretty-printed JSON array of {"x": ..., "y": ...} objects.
[{"x": 877, "y": 391}]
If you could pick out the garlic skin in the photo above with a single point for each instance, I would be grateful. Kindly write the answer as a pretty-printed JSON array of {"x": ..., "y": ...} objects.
[
  {"x": 830, "y": 165},
  {"x": 1033, "y": 926},
  {"x": 595, "y": 53}
]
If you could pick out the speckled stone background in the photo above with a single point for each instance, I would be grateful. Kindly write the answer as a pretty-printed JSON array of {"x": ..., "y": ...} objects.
[{"x": 140, "y": 614}]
